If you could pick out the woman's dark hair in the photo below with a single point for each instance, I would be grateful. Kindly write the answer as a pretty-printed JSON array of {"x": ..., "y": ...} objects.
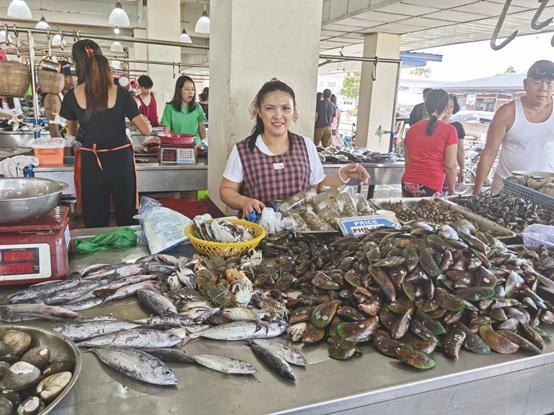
[
  {"x": 268, "y": 87},
  {"x": 145, "y": 81},
  {"x": 435, "y": 103},
  {"x": 205, "y": 94},
  {"x": 454, "y": 99},
  {"x": 334, "y": 99},
  {"x": 93, "y": 69},
  {"x": 177, "y": 100}
]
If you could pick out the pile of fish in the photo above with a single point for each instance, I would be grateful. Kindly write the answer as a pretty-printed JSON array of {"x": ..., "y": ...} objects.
[
  {"x": 320, "y": 212},
  {"x": 220, "y": 230},
  {"x": 411, "y": 290},
  {"x": 29, "y": 379},
  {"x": 430, "y": 210},
  {"x": 336, "y": 155},
  {"x": 512, "y": 212},
  {"x": 541, "y": 182}
]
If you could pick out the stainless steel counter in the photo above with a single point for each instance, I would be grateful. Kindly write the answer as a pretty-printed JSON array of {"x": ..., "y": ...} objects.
[
  {"x": 151, "y": 177},
  {"x": 372, "y": 383}
]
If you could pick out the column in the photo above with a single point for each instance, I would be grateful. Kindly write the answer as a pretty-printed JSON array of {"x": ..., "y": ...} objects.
[
  {"x": 376, "y": 104},
  {"x": 252, "y": 41},
  {"x": 163, "y": 23}
]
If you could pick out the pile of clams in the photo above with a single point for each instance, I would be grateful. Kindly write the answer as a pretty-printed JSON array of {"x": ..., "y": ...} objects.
[
  {"x": 411, "y": 291},
  {"x": 29, "y": 380}
]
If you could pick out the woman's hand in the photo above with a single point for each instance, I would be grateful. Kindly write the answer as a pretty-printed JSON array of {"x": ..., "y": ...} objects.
[
  {"x": 248, "y": 204},
  {"x": 354, "y": 171}
]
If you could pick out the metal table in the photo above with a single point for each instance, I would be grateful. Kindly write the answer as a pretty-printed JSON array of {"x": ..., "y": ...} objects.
[
  {"x": 151, "y": 177},
  {"x": 379, "y": 174},
  {"x": 372, "y": 383}
]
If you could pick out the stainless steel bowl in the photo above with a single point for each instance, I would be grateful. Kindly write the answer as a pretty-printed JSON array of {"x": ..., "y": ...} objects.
[
  {"x": 60, "y": 349},
  {"x": 27, "y": 198}
]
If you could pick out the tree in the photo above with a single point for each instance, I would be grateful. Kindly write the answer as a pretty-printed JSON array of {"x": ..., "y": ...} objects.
[
  {"x": 510, "y": 69},
  {"x": 351, "y": 85},
  {"x": 421, "y": 71}
]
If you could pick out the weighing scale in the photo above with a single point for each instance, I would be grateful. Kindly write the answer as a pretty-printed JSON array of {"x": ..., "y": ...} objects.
[
  {"x": 36, "y": 250},
  {"x": 177, "y": 148}
]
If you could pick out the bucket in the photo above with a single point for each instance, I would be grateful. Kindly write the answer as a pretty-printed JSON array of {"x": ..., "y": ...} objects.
[
  {"x": 49, "y": 153},
  {"x": 15, "y": 79}
]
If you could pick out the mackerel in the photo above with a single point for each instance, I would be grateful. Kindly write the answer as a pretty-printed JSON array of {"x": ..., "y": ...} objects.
[
  {"x": 170, "y": 355},
  {"x": 80, "y": 331},
  {"x": 243, "y": 330},
  {"x": 290, "y": 354},
  {"x": 110, "y": 288},
  {"x": 137, "y": 365},
  {"x": 75, "y": 293},
  {"x": 30, "y": 311},
  {"x": 184, "y": 332},
  {"x": 156, "y": 302},
  {"x": 164, "y": 322},
  {"x": 41, "y": 290},
  {"x": 84, "y": 304},
  {"x": 92, "y": 268},
  {"x": 224, "y": 364},
  {"x": 138, "y": 338},
  {"x": 130, "y": 290},
  {"x": 274, "y": 360}
]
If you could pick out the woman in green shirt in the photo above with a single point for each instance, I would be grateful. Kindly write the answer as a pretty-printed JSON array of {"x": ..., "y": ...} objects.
[{"x": 182, "y": 115}]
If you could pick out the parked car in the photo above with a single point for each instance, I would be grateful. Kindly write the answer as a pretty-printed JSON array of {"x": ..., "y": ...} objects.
[{"x": 476, "y": 123}]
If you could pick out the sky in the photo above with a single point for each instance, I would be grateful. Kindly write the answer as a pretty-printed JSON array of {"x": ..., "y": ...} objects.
[{"x": 477, "y": 60}]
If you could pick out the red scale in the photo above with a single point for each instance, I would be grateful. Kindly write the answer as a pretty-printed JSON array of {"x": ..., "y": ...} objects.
[
  {"x": 36, "y": 250},
  {"x": 177, "y": 149}
]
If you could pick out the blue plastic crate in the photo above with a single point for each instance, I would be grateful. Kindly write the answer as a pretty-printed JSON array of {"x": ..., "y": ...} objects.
[{"x": 527, "y": 193}]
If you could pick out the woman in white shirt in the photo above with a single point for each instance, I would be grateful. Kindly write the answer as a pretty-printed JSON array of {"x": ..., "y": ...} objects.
[
  {"x": 274, "y": 163},
  {"x": 10, "y": 107}
]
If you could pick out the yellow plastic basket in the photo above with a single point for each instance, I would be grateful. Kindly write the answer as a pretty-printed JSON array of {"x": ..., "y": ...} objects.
[{"x": 226, "y": 249}]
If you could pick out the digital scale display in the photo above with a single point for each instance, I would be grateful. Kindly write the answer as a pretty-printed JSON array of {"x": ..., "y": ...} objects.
[{"x": 19, "y": 261}]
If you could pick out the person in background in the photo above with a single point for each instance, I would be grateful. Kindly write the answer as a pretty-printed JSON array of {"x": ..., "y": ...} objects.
[
  {"x": 10, "y": 107},
  {"x": 146, "y": 100},
  {"x": 324, "y": 114},
  {"x": 183, "y": 115},
  {"x": 418, "y": 111},
  {"x": 273, "y": 163},
  {"x": 430, "y": 151},
  {"x": 336, "y": 122},
  {"x": 52, "y": 103},
  {"x": 203, "y": 100},
  {"x": 524, "y": 128},
  {"x": 104, "y": 164},
  {"x": 454, "y": 108}
]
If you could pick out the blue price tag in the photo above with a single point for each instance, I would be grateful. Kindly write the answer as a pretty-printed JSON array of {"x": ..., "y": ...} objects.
[{"x": 363, "y": 225}]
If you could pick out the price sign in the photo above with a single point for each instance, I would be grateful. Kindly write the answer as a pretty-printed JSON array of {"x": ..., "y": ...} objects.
[{"x": 365, "y": 224}]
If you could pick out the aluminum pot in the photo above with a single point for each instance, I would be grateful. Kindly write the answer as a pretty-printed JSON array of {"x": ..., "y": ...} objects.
[{"x": 27, "y": 198}]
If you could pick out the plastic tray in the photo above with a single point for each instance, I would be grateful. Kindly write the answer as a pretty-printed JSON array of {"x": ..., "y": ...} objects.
[
  {"x": 527, "y": 193},
  {"x": 177, "y": 139}
]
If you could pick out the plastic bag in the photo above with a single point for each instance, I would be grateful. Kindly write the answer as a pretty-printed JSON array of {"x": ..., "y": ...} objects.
[
  {"x": 536, "y": 235},
  {"x": 117, "y": 239},
  {"x": 163, "y": 228},
  {"x": 273, "y": 221}
]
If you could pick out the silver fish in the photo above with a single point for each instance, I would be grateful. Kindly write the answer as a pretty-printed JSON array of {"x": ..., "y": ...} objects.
[
  {"x": 23, "y": 311},
  {"x": 138, "y": 338},
  {"x": 195, "y": 304},
  {"x": 170, "y": 355},
  {"x": 129, "y": 269},
  {"x": 75, "y": 293},
  {"x": 164, "y": 322},
  {"x": 241, "y": 314},
  {"x": 243, "y": 330},
  {"x": 110, "y": 288},
  {"x": 158, "y": 268},
  {"x": 275, "y": 361},
  {"x": 80, "y": 331},
  {"x": 185, "y": 332},
  {"x": 173, "y": 282},
  {"x": 290, "y": 354},
  {"x": 92, "y": 268},
  {"x": 137, "y": 365},
  {"x": 224, "y": 364},
  {"x": 200, "y": 314},
  {"x": 155, "y": 302},
  {"x": 130, "y": 290},
  {"x": 41, "y": 290},
  {"x": 168, "y": 259},
  {"x": 85, "y": 304}
]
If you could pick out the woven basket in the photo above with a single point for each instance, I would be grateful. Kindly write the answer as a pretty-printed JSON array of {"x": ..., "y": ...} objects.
[
  {"x": 50, "y": 82},
  {"x": 14, "y": 79}
]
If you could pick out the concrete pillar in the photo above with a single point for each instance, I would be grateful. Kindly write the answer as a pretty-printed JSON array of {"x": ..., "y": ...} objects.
[
  {"x": 252, "y": 41},
  {"x": 164, "y": 22},
  {"x": 375, "y": 107}
]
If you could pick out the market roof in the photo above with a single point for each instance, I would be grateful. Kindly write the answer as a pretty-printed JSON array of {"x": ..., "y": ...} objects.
[
  {"x": 504, "y": 82},
  {"x": 418, "y": 59}
]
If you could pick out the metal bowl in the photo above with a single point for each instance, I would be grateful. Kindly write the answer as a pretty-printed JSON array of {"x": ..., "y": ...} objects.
[
  {"x": 27, "y": 198},
  {"x": 60, "y": 349}
]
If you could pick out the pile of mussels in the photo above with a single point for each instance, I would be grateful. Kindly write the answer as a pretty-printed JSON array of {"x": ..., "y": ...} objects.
[{"x": 410, "y": 291}]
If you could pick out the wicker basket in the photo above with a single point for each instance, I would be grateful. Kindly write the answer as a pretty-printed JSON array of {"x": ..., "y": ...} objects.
[
  {"x": 14, "y": 79},
  {"x": 50, "y": 82},
  {"x": 226, "y": 249}
]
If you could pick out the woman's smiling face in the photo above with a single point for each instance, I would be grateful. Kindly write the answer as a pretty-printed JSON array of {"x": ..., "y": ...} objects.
[{"x": 277, "y": 112}]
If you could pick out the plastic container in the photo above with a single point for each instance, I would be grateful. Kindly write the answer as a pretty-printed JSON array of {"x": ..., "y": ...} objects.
[
  {"x": 177, "y": 139},
  {"x": 49, "y": 152}
]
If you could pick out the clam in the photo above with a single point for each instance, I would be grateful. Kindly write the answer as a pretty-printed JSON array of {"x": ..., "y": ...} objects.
[
  {"x": 415, "y": 358},
  {"x": 4, "y": 350},
  {"x": 17, "y": 341},
  {"x": 388, "y": 346},
  {"x": 341, "y": 349},
  {"x": 37, "y": 356},
  {"x": 30, "y": 406},
  {"x": 452, "y": 342},
  {"x": 358, "y": 331},
  {"x": 6, "y": 406},
  {"x": 521, "y": 341},
  {"x": 312, "y": 334},
  {"x": 20, "y": 376},
  {"x": 50, "y": 387},
  {"x": 4, "y": 366},
  {"x": 402, "y": 324},
  {"x": 300, "y": 314},
  {"x": 56, "y": 367}
]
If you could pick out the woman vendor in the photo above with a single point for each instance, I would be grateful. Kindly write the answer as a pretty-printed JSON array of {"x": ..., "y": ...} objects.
[
  {"x": 274, "y": 163},
  {"x": 183, "y": 115},
  {"x": 104, "y": 163}
]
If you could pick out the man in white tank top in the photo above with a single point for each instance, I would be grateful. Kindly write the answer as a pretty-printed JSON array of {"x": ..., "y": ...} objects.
[{"x": 524, "y": 128}]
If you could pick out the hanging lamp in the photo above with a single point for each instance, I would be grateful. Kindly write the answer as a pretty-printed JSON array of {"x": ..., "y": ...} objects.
[
  {"x": 116, "y": 47},
  {"x": 42, "y": 24},
  {"x": 19, "y": 10},
  {"x": 203, "y": 23},
  {"x": 57, "y": 40},
  {"x": 184, "y": 37},
  {"x": 118, "y": 16}
]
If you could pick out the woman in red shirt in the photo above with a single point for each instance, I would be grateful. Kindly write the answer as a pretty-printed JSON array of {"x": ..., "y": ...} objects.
[
  {"x": 430, "y": 151},
  {"x": 146, "y": 100}
]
